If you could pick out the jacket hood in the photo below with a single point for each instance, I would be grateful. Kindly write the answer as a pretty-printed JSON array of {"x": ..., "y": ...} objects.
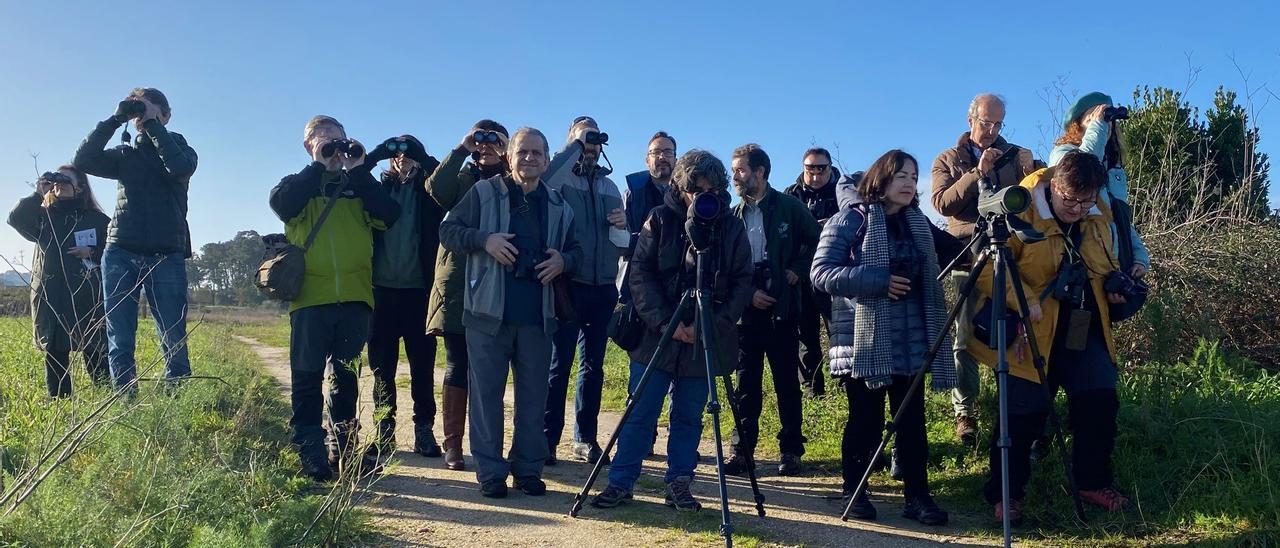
[{"x": 847, "y": 190}]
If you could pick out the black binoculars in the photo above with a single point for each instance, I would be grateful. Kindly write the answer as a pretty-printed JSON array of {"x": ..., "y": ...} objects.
[
  {"x": 1115, "y": 113},
  {"x": 53, "y": 178},
  {"x": 596, "y": 138},
  {"x": 345, "y": 146},
  {"x": 133, "y": 108},
  {"x": 396, "y": 146},
  {"x": 485, "y": 137}
]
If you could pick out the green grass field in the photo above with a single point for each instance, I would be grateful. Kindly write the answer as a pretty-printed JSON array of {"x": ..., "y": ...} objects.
[{"x": 210, "y": 466}]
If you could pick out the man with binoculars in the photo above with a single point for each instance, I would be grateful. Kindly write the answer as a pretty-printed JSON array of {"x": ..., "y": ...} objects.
[
  {"x": 147, "y": 241},
  {"x": 597, "y": 212}
]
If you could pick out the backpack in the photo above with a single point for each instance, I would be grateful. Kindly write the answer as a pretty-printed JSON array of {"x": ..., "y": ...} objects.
[{"x": 284, "y": 266}]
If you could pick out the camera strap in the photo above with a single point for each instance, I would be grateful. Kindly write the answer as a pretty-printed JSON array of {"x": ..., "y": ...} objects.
[{"x": 328, "y": 206}]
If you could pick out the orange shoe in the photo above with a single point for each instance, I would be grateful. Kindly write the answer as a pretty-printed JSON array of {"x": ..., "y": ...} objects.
[
  {"x": 1106, "y": 498},
  {"x": 1015, "y": 512}
]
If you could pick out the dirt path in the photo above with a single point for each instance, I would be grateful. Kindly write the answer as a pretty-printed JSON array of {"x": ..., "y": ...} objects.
[{"x": 420, "y": 503}]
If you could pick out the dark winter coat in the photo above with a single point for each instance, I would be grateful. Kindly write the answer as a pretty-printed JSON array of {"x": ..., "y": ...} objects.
[
  {"x": 447, "y": 185},
  {"x": 664, "y": 266},
  {"x": 66, "y": 296},
  {"x": 791, "y": 235},
  {"x": 151, "y": 197}
]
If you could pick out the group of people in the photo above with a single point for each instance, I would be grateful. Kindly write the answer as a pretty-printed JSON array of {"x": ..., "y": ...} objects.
[
  {"x": 90, "y": 269},
  {"x": 516, "y": 258}
]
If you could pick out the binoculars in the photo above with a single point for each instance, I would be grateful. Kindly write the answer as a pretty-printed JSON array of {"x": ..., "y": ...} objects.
[
  {"x": 133, "y": 108},
  {"x": 485, "y": 137},
  {"x": 345, "y": 146},
  {"x": 53, "y": 178},
  {"x": 1115, "y": 113},
  {"x": 596, "y": 138}
]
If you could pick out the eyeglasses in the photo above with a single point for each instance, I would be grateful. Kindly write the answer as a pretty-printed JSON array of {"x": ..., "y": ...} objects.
[
  {"x": 1073, "y": 202},
  {"x": 988, "y": 124},
  {"x": 659, "y": 153},
  {"x": 816, "y": 168}
]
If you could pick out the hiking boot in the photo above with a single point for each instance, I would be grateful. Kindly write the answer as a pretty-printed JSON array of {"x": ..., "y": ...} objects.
[
  {"x": 679, "y": 496},
  {"x": 343, "y": 456},
  {"x": 895, "y": 471},
  {"x": 790, "y": 465},
  {"x": 1015, "y": 512},
  {"x": 494, "y": 489},
  {"x": 1106, "y": 498},
  {"x": 611, "y": 497},
  {"x": 385, "y": 446},
  {"x": 532, "y": 486},
  {"x": 315, "y": 465},
  {"x": 735, "y": 465},
  {"x": 924, "y": 510},
  {"x": 967, "y": 430},
  {"x": 424, "y": 441},
  {"x": 1040, "y": 448},
  {"x": 862, "y": 508},
  {"x": 589, "y": 452}
]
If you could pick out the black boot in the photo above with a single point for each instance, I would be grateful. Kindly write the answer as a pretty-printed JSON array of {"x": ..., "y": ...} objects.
[
  {"x": 424, "y": 441},
  {"x": 344, "y": 457},
  {"x": 922, "y": 509},
  {"x": 314, "y": 464}
]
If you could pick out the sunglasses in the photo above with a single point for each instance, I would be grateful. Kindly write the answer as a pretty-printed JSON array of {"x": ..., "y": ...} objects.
[{"x": 816, "y": 168}]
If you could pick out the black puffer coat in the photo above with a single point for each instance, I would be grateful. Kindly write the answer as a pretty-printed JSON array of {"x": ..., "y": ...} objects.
[{"x": 663, "y": 266}]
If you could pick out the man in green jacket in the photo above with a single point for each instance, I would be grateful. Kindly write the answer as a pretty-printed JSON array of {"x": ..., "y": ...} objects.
[
  {"x": 329, "y": 321},
  {"x": 485, "y": 146},
  {"x": 783, "y": 236}
]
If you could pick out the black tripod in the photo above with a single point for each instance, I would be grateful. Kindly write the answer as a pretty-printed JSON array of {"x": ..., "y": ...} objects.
[
  {"x": 698, "y": 297},
  {"x": 996, "y": 230}
]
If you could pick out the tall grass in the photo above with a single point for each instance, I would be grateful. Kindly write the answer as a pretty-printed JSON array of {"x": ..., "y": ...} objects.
[{"x": 209, "y": 466}]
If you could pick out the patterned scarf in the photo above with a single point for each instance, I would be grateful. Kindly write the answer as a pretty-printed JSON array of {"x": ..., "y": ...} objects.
[{"x": 872, "y": 352}]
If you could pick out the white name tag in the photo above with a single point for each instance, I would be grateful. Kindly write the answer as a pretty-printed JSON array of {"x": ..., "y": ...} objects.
[{"x": 86, "y": 238}]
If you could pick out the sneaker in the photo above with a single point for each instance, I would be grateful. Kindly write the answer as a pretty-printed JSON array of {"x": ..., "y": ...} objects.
[
  {"x": 611, "y": 497},
  {"x": 1040, "y": 448},
  {"x": 735, "y": 465},
  {"x": 895, "y": 471},
  {"x": 924, "y": 510},
  {"x": 679, "y": 496},
  {"x": 1106, "y": 498},
  {"x": 494, "y": 489},
  {"x": 967, "y": 430},
  {"x": 1015, "y": 512},
  {"x": 424, "y": 441},
  {"x": 862, "y": 508},
  {"x": 790, "y": 465},
  {"x": 589, "y": 452},
  {"x": 532, "y": 486}
]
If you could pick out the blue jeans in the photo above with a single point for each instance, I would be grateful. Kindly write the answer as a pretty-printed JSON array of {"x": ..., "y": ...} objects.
[
  {"x": 688, "y": 401},
  {"x": 124, "y": 275},
  {"x": 588, "y": 335}
]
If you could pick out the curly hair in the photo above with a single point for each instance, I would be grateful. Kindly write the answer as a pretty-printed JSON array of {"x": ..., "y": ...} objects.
[{"x": 696, "y": 164}]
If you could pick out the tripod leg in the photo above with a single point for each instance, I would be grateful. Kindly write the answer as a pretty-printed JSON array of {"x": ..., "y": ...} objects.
[
  {"x": 664, "y": 345},
  {"x": 1055, "y": 422},
  {"x": 706, "y": 334},
  {"x": 751, "y": 469},
  {"x": 891, "y": 427},
  {"x": 998, "y": 306}
]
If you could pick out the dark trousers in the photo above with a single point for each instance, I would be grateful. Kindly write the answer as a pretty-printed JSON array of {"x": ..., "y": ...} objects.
[
  {"x": 815, "y": 315},
  {"x": 865, "y": 426},
  {"x": 1089, "y": 379},
  {"x": 455, "y": 360},
  {"x": 587, "y": 335},
  {"x": 332, "y": 335},
  {"x": 402, "y": 314},
  {"x": 57, "y": 368},
  {"x": 777, "y": 340}
]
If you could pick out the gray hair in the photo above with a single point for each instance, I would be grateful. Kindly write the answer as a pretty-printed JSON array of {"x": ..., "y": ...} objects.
[
  {"x": 984, "y": 98},
  {"x": 699, "y": 163},
  {"x": 320, "y": 120},
  {"x": 511, "y": 152}
]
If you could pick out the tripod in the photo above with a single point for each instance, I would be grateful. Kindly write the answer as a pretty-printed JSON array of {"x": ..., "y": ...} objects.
[
  {"x": 698, "y": 297},
  {"x": 996, "y": 230}
]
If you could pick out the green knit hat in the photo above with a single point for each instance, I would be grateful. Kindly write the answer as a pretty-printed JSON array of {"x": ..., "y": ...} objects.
[{"x": 1083, "y": 104}]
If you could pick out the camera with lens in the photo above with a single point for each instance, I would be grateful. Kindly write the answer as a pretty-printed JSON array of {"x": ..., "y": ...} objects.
[
  {"x": 485, "y": 137},
  {"x": 1115, "y": 113},
  {"x": 596, "y": 138},
  {"x": 1123, "y": 284},
  {"x": 53, "y": 178},
  {"x": 345, "y": 146},
  {"x": 705, "y": 211}
]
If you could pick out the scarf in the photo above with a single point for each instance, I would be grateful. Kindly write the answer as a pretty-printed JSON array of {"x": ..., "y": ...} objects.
[{"x": 872, "y": 352}]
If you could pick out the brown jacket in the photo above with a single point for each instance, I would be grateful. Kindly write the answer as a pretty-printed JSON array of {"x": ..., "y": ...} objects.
[{"x": 956, "y": 182}]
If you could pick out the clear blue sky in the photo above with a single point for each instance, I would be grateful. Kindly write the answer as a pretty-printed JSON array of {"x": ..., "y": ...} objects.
[{"x": 862, "y": 77}]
